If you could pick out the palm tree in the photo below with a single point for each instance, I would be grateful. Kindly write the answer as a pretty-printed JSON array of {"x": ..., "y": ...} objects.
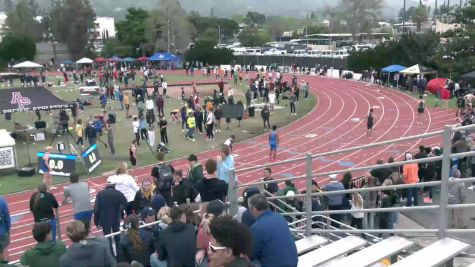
[{"x": 420, "y": 16}]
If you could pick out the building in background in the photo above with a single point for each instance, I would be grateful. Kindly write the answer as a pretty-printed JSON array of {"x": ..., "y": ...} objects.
[
  {"x": 3, "y": 24},
  {"x": 104, "y": 28}
]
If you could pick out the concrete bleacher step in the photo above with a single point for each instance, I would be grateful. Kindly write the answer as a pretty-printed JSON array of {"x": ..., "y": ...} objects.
[
  {"x": 374, "y": 253},
  {"x": 307, "y": 244},
  {"x": 331, "y": 251},
  {"x": 435, "y": 254}
]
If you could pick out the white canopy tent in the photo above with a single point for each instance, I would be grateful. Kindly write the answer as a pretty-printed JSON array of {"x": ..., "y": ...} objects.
[
  {"x": 27, "y": 65},
  {"x": 417, "y": 69},
  {"x": 7, "y": 150},
  {"x": 85, "y": 60}
]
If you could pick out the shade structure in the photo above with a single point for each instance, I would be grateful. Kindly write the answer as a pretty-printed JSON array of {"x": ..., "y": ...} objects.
[
  {"x": 469, "y": 77},
  {"x": 128, "y": 59},
  {"x": 162, "y": 57},
  {"x": 27, "y": 65},
  {"x": 418, "y": 69},
  {"x": 66, "y": 62},
  {"x": 142, "y": 59},
  {"x": 100, "y": 60},
  {"x": 84, "y": 60},
  {"x": 115, "y": 59},
  {"x": 393, "y": 68},
  {"x": 28, "y": 99}
]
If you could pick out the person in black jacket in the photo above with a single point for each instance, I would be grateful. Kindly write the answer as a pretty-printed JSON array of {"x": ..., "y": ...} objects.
[
  {"x": 145, "y": 195},
  {"x": 177, "y": 243},
  {"x": 211, "y": 188},
  {"x": 108, "y": 209},
  {"x": 265, "y": 114},
  {"x": 42, "y": 205},
  {"x": 90, "y": 133},
  {"x": 182, "y": 189},
  {"x": 271, "y": 187},
  {"x": 135, "y": 245}
]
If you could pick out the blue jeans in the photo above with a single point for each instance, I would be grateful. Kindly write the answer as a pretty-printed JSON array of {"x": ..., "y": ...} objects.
[
  {"x": 53, "y": 229},
  {"x": 191, "y": 132},
  {"x": 155, "y": 262},
  {"x": 412, "y": 193},
  {"x": 83, "y": 216}
]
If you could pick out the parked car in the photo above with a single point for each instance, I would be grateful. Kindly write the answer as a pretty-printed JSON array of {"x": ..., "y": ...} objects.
[
  {"x": 275, "y": 51},
  {"x": 314, "y": 53},
  {"x": 300, "y": 53},
  {"x": 340, "y": 54}
]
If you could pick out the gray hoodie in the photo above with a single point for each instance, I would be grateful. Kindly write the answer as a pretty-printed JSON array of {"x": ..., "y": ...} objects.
[
  {"x": 87, "y": 254},
  {"x": 456, "y": 194}
]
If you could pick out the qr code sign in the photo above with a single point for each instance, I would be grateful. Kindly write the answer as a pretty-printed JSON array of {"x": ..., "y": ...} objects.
[{"x": 6, "y": 158}]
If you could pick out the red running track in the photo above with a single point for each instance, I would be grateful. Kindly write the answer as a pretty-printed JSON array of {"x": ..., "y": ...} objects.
[{"x": 329, "y": 126}]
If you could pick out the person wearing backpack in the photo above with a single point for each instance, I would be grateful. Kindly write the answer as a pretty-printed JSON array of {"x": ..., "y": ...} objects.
[{"x": 163, "y": 172}]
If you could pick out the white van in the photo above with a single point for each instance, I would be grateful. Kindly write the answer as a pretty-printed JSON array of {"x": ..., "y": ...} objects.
[
  {"x": 340, "y": 54},
  {"x": 299, "y": 53},
  {"x": 326, "y": 53},
  {"x": 254, "y": 51}
]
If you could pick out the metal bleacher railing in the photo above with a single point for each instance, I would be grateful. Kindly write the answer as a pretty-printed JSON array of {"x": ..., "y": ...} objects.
[{"x": 443, "y": 206}]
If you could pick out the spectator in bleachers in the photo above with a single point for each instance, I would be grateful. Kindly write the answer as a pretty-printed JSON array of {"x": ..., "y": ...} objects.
[
  {"x": 3, "y": 261},
  {"x": 93, "y": 238},
  {"x": 182, "y": 189},
  {"x": 247, "y": 218},
  {"x": 357, "y": 216},
  {"x": 143, "y": 197},
  {"x": 125, "y": 184},
  {"x": 177, "y": 243},
  {"x": 42, "y": 205},
  {"x": 369, "y": 200},
  {"x": 78, "y": 193},
  {"x": 214, "y": 209},
  {"x": 195, "y": 173},
  {"x": 108, "y": 209},
  {"x": 46, "y": 253},
  {"x": 381, "y": 174},
  {"x": 273, "y": 244},
  {"x": 410, "y": 172},
  {"x": 230, "y": 245},
  {"x": 225, "y": 163},
  {"x": 164, "y": 216},
  {"x": 271, "y": 187},
  {"x": 431, "y": 175},
  {"x": 5, "y": 226},
  {"x": 422, "y": 166},
  {"x": 84, "y": 252},
  {"x": 456, "y": 195},
  {"x": 211, "y": 188},
  {"x": 135, "y": 244},
  {"x": 335, "y": 202}
]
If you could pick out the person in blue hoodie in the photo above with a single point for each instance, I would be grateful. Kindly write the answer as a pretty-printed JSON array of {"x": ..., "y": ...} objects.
[
  {"x": 5, "y": 224},
  {"x": 273, "y": 244}
]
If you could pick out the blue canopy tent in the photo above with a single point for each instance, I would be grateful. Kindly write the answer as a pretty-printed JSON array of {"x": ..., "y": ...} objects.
[
  {"x": 393, "y": 68},
  {"x": 67, "y": 62},
  {"x": 128, "y": 59},
  {"x": 115, "y": 58},
  {"x": 162, "y": 57}
]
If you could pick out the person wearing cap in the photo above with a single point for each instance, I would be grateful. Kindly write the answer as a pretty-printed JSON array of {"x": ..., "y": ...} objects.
[
  {"x": 335, "y": 202},
  {"x": 230, "y": 244},
  {"x": 214, "y": 209},
  {"x": 191, "y": 124},
  {"x": 247, "y": 218},
  {"x": 411, "y": 176},
  {"x": 273, "y": 244},
  {"x": 108, "y": 209},
  {"x": 195, "y": 173}
]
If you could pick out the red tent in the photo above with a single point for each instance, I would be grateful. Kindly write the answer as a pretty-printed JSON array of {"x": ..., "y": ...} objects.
[
  {"x": 438, "y": 85},
  {"x": 142, "y": 59},
  {"x": 100, "y": 60}
]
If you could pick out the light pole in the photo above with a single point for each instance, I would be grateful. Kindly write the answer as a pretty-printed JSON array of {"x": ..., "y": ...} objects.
[
  {"x": 404, "y": 18},
  {"x": 219, "y": 33}
]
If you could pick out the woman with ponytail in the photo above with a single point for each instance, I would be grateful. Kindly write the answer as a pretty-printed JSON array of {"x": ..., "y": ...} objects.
[
  {"x": 135, "y": 244},
  {"x": 42, "y": 205}
]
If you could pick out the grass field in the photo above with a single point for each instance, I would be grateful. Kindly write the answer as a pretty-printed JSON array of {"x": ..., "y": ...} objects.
[{"x": 10, "y": 182}]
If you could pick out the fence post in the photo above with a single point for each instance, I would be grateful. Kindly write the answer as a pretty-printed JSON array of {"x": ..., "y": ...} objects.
[
  {"x": 58, "y": 224},
  {"x": 308, "y": 196},
  {"x": 232, "y": 193},
  {"x": 447, "y": 149}
]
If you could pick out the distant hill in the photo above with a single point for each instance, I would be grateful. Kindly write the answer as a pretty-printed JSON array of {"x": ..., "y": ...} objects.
[{"x": 228, "y": 8}]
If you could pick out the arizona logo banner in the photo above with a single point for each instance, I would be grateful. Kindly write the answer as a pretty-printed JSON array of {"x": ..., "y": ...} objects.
[{"x": 29, "y": 99}]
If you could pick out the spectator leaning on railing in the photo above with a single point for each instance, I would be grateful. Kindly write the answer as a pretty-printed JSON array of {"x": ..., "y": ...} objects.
[
  {"x": 335, "y": 201},
  {"x": 410, "y": 172}
]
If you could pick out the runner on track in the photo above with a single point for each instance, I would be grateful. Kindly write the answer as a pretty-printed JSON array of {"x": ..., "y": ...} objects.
[
  {"x": 421, "y": 106},
  {"x": 370, "y": 122},
  {"x": 273, "y": 142}
]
